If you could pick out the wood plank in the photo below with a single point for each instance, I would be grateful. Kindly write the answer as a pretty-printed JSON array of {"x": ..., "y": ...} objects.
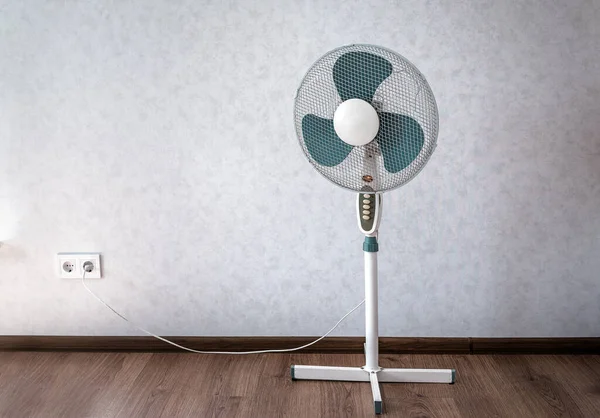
[
  {"x": 539, "y": 391},
  {"x": 574, "y": 379},
  {"x": 25, "y": 379},
  {"x": 329, "y": 399},
  {"x": 479, "y": 391},
  {"x": 120, "y": 377},
  {"x": 76, "y": 385},
  {"x": 420, "y": 399}
]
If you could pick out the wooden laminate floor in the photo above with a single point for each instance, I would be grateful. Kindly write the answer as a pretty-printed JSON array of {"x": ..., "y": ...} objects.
[{"x": 37, "y": 384}]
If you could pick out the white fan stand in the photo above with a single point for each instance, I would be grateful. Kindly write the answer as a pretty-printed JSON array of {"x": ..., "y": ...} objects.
[{"x": 371, "y": 371}]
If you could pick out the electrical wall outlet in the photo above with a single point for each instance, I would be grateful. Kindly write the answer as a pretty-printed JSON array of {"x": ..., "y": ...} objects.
[{"x": 70, "y": 265}]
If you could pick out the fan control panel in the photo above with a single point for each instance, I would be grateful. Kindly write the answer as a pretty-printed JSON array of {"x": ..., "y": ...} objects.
[{"x": 368, "y": 211}]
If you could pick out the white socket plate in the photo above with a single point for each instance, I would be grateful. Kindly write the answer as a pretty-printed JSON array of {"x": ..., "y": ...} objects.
[{"x": 77, "y": 259}]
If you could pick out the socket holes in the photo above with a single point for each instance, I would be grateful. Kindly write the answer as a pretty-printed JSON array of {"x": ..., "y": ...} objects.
[{"x": 68, "y": 266}]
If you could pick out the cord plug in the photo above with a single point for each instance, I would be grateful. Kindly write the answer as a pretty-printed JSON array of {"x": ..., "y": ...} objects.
[{"x": 88, "y": 266}]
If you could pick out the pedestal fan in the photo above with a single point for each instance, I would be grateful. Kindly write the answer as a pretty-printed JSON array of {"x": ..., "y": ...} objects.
[{"x": 367, "y": 120}]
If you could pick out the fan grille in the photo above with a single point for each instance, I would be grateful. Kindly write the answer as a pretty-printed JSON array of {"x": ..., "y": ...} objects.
[{"x": 404, "y": 92}]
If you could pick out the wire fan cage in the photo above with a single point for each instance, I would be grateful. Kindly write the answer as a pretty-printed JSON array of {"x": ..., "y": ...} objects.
[{"x": 404, "y": 103}]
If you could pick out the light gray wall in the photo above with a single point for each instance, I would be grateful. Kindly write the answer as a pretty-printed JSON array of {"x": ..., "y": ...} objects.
[{"x": 160, "y": 134}]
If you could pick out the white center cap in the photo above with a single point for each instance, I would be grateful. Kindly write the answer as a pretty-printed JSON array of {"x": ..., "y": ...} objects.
[{"x": 356, "y": 122}]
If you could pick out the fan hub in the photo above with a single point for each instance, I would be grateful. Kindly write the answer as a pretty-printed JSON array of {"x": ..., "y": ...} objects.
[{"x": 356, "y": 122}]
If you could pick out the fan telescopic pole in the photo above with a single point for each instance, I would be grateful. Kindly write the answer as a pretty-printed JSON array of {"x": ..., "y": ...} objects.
[{"x": 371, "y": 313}]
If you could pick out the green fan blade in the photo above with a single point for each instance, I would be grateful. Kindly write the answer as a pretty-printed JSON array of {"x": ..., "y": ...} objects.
[
  {"x": 358, "y": 74},
  {"x": 322, "y": 142},
  {"x": 400, "y": 139}
]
